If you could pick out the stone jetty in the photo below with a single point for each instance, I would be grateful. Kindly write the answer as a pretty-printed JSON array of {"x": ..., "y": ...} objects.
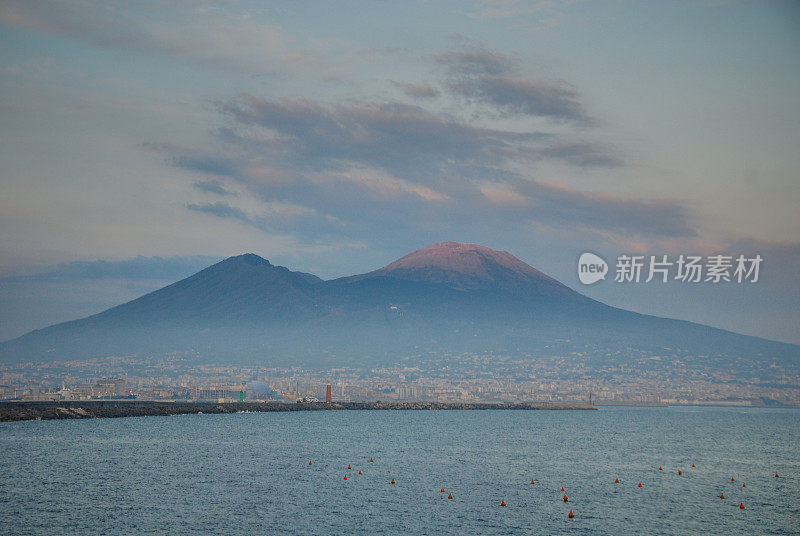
[{"x": 24, "y": 411}]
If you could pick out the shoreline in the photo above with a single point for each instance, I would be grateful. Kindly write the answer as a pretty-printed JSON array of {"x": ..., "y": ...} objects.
[{"x": 106, "y": 409}]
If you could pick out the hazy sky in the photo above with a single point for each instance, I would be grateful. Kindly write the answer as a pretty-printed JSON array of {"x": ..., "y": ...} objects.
[{"x": 334, "y": 137}]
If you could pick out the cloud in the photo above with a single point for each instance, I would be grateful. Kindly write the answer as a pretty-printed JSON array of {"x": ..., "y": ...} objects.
[
  {"x": 191, "y": 32},
  {"x": 213, "y": 187},
  {"x": 514, "y": 96},
  {"x": 583, "y": 154},
  {"x": 476, "y": 61},
  {"x": 417, "y": 91},
  {"x": 650, "y": 218},
  {"x": 221, "y": 210},
  {"x": 504, "y": 196},
  {"x": 488, "y": 78},
  {"x": 274, "y": 217},
  {"x": 214, "y": 165},
  {"x": 404, "y": 140},
  {"x": 349, "y": 169}
]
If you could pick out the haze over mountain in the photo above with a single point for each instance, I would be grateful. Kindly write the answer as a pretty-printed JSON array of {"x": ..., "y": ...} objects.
[{"x": 446, "y": 298}]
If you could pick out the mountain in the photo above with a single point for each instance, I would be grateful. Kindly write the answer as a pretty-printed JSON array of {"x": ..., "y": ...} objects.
[
  {"x": 447, "y": 298},
  {"x": 466, "y": 266}
]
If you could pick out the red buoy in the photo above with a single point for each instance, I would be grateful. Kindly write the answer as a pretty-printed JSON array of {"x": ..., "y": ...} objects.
[
  {"x": 616, "y": 481},
  {"x": 743, "y": 485},
  {"x": 640, "y": 484},
  {"x": 660, "y": 468},
  {"x": 566, "y": 498},
  {"x": 562, "y": 488},
  {"x": 442, "y": 490},
  {"x": 776, "y": 475},
  {"x": 371, "y": 460},
  {"x": 741, "y": 506},
  {"x": 359, "y": 472},
  {"x": 309, "y": 462},
  {"x": 393, "y": 481},
  {"x": 502, "y": 502},
  {"x": 692, "y": 465},
  {"x": 450, "y": 496},
  {"x": 345, "y": 477},
  {"x": 532, "y": 482},
  {"x": 348, "y": 466},
  {"x": 733, "y": 479},
  {"x": 680, "y": 472},
  {"x": 721, "y": 495},
  {"x": 570, "y": 515}
]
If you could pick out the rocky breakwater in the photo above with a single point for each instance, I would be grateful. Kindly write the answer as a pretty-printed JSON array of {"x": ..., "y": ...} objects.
[{"x": 24, "y": 411}]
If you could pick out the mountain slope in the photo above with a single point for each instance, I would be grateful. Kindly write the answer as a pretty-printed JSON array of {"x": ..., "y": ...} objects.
[{"x": 445, "y": 298}]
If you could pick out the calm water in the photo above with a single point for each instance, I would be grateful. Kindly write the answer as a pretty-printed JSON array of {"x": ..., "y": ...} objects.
[{"x": 249, "y": 473}]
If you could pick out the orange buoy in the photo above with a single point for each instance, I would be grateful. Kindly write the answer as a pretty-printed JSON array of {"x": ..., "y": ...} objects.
[
  {"x": 442, "y": 490},
  {"x": 741, "y": 506},
  {"x": 660, "y": 468},
  {"x": 566, "y": 498},
  {"x": 570, "y": 515},
  {"x": 640, "y": 484},
  {"x": 502, "y": 502},
  {"x": 616, "y": 481},
  {"x": 359, "y": 472},
  {"x": 345, "y": 477},
  {"x": 562, "y": 488},
  {"x": 450, "y": 496},
  {"x": 393, "y": 481},
  {"x": 733, "y": 479},
  {"x": 721, "y": 495},
  {"x": 680, "y": 472},
  {"x": 348, "y": 466}
]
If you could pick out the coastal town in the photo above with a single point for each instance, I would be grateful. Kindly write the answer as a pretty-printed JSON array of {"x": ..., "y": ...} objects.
[{"x": 465, "y": 378}]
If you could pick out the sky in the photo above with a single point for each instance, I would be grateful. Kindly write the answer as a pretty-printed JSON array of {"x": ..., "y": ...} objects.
[{"x": 141, "y": 142}]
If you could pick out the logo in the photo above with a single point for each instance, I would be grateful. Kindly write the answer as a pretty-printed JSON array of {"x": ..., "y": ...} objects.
[
  {"x": 665, "y": 268},
  {"x": 591, "y": 268}
]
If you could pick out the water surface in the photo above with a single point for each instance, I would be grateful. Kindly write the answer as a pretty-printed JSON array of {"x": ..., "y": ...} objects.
[{"x": 249, "y": 473}]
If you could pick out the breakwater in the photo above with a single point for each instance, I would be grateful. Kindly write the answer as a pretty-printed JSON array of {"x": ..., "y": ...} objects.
[{"x": 23, "y": 411}]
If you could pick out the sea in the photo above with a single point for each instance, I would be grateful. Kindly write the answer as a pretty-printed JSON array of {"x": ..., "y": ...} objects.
[{"x": 284, "y": 473}]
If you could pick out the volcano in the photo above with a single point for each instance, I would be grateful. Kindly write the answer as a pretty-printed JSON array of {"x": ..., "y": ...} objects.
[
  {"x": 466, "y": 266},
  {"x": 447, "y": 298}
]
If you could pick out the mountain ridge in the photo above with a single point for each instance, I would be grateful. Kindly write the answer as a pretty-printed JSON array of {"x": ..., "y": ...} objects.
[{"x": 446, "y": 297}]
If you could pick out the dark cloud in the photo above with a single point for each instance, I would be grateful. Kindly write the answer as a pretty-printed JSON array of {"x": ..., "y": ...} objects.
[
  {"x": 405, "y": 140},
  {"x": 514, "y": 96},
  {"x": 350, "y": 169},
  {"x": 417, "y": 91},
  {"x": 486, "y": 77}
]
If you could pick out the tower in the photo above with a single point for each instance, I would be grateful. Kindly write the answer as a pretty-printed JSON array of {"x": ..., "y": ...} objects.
[{"x": 328, "y": 394}]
